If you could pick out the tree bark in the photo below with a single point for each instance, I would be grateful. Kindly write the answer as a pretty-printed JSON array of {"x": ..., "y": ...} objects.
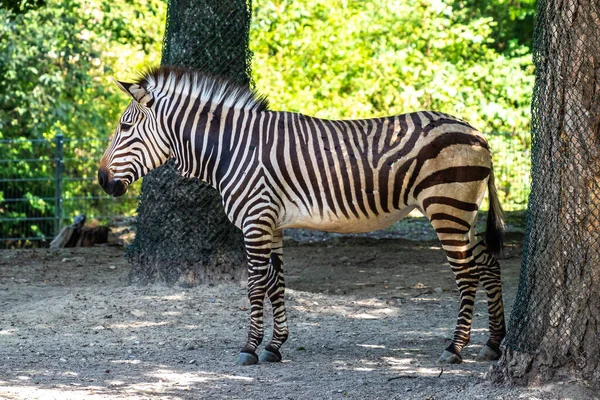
[
  {"x": 183, "y": 236},
  {"x": 554, "y": 332}
]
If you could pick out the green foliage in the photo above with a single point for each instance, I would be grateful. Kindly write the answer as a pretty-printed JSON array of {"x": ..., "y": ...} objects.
[
  {"x": 55, "y": 64},
  {"x": 512, "y": 165},
  {"x": 367, "y": 58},
  {"x": 512, "y": 20}
]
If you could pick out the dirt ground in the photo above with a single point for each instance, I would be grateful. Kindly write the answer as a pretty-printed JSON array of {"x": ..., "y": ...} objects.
[{"x": 368, "y": 320}]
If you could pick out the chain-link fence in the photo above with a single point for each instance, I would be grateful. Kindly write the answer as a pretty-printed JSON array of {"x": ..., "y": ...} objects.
[{"x": 45, "y": 183}]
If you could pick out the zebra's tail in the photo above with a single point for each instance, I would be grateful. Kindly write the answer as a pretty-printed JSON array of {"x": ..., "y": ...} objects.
[{"x": 494, "y": 235}]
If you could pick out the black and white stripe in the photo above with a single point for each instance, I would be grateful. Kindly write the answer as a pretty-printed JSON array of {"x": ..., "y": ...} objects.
[{"x": 278, "y": 170}]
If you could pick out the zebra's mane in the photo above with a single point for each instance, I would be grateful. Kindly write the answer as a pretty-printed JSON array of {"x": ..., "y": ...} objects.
[{"x": 176, "y": 80}]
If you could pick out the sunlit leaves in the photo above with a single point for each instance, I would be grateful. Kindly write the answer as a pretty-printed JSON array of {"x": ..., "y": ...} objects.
[{"x": 366, "y": 58}]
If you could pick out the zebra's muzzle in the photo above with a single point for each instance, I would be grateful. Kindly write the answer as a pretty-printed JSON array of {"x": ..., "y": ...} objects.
[{"x": 113, "y": 187}]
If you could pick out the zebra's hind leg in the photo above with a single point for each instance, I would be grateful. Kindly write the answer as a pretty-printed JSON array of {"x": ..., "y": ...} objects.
[
  {"x": 489, "y": 271},
  {"x": 258, "y": 238},
  {"x": 467, "y": 280},
  {"x": 457, "y": 238},
  {"x": 276, "y": 293}
]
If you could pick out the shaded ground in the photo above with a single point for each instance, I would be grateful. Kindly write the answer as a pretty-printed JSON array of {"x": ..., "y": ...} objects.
[{"x": 368, "y": 319}]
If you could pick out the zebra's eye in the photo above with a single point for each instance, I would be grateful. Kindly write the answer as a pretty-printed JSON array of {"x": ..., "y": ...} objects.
[{"x": 125, "y": 127}]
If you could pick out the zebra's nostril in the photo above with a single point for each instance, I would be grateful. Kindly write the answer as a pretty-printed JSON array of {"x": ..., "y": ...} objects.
[{"x": 102, "y": 177}]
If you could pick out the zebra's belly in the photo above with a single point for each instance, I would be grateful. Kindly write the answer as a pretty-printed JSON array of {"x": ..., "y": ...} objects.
[{"x": 332, "y": 223}]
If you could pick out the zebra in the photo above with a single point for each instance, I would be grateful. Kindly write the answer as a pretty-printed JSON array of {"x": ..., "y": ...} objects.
[{"x": 277, "y": 170}]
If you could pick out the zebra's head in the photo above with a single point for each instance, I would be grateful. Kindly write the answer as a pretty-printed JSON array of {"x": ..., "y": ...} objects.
[{"x": 137, "y": 146}]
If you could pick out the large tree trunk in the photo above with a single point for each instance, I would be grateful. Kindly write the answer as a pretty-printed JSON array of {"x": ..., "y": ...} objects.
[
  {"x": 554, "y": 331},
  {"x": 183, "y": 235}
]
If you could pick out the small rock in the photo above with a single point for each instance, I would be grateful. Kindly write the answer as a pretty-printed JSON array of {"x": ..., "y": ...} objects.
[
  {"x": 65, "y": 259},
  {"x": 112, "y": 267},
  {"x": 192, "y": 362},
  {"x": 107, "y": 371},
  {"x": 438, "y": 290},
  {"x": 63, "y": 360}
]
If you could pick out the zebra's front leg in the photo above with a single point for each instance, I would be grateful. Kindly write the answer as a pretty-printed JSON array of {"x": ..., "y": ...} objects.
[
  {"x": 258, "y": 240},
  {"x": 276, "y": 293}
]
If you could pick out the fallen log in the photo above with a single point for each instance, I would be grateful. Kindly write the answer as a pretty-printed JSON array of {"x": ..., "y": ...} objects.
[{"x": 78, "y": 235}]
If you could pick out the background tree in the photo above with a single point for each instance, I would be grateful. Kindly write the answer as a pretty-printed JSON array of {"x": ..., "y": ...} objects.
[
  {"x": 183, "y": 234},
  {"x": 555, "y": 323}
]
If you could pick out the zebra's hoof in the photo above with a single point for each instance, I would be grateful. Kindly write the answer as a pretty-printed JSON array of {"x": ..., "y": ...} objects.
[
  {"x": 269, "y": 356},
  {"x": 247, "y": 359},
  {"x": 449, "y": 358},
  {"x": 487, "y": 354}
]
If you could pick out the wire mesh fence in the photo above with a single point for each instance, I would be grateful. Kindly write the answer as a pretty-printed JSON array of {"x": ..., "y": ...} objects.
[{"x": 44, "y": 184}]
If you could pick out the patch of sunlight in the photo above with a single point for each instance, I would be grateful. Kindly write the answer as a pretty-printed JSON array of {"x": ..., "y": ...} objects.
[
  {"x": 363, "y": 369},
  {"x": 8, "y": 332},
  {"x": 140, "y": 324},
  {"x": 61, "y": 392},
  {"x": 409, "y": 365},
  {"x": 372, "y": 346},
  {"x": 434, "y": 248},
  {"x": 172, "y": 313},
  {"x": 435, "y": 371},
  {"x": 195, "y": 377},
  {"x": 370, "y": 302},
  {"x": 23, "y": 378},
  {"x": 115, "y": 382},
  {"x": 125, "y": 361},
  {"x": 363, "y": 316},
  {"x": 374, "y": 314},
  {"x": 178, "y": 296},
  {"x": 398, "y": 362}
]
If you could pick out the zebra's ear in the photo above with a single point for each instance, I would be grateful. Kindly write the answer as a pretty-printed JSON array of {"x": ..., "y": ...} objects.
[{"x": 137, "y": 92}]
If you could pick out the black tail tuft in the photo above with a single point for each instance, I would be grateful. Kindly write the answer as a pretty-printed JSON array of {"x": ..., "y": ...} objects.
[{"x": 494, "y": 235}]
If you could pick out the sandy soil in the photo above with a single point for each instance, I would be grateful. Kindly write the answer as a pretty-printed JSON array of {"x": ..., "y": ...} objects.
[{"x": 368, "y": 320}]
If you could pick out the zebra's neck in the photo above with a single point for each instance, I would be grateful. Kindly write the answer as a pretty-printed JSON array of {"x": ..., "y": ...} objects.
[{"x": 206, "y": 138}]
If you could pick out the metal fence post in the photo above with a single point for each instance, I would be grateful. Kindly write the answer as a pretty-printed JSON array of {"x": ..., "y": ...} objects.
[{"x": 58, "y": 140}]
